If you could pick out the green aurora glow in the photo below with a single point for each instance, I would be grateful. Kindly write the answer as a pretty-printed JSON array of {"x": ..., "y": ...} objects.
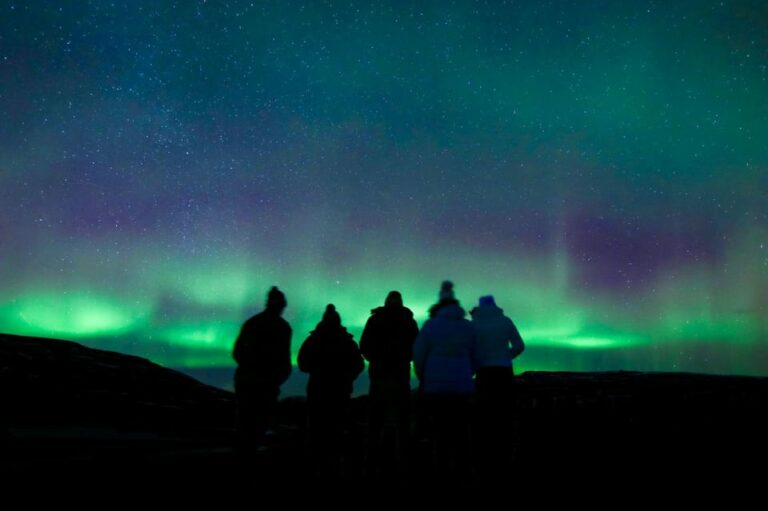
[
  {"x": 600, "y": 167},
  {"x": 199, "y": 326}
]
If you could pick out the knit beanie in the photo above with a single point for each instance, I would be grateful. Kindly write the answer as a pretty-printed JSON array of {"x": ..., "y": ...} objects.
[
  {"x": 446, "y": 291},
  {"x": 276, "y": 298},
  {"x": 330, "y": 316}
]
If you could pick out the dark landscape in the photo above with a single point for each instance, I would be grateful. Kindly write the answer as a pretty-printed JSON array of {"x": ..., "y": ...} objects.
[
  {"x": 195, "y": 190},
  {"x": 77, "y": 411}
]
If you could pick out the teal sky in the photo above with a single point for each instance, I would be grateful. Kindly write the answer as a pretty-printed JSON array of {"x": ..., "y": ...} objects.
[{"x": 600, "y": 167}]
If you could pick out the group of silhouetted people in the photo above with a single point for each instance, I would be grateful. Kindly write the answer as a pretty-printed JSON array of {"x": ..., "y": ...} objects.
[{"x": 464, "y": 370}]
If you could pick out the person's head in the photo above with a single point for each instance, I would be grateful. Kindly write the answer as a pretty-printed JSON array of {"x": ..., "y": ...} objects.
[
  {"x": 394, "y": 299},
  {"x": 330, "y": 316},
  {"x": 446, "y": 291},
  {"x": 276, "y": 300},
  {"x": 487, "y": 301}
]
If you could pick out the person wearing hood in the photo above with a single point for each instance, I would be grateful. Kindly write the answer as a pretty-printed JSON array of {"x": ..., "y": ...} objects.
[
  {"x": 333, "y": 361},
  {"x": 498, "y": 344},
  {"x": 444, "y": 360},
  {"x": 263, "y": 355},
  {"x": 387, "y": 344}
]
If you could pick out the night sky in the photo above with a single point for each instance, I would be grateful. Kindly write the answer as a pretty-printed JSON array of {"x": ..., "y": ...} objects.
[{"x": 601, "y": 167}]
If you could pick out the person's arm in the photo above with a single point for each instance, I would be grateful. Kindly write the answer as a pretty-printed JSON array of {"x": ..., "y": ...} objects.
[
  {"x": 285, "y": 357},
  {"x": 518, "y": 346},
  {"x": 420, "y": 351},
  {"x": 367, "y": 340},
  {"x": 240, "y": 342},
  {"x": 356, "y": 360},
  {"x": 473, "y": 349},
  {"x": 413, "y": 333},
  {"x": 304, "y": 360}
]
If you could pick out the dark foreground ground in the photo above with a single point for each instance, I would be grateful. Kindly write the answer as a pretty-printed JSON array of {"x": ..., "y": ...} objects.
[{"x": 74, "y": 412}]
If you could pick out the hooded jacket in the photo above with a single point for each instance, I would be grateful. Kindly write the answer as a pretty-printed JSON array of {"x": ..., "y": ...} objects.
[
  {"x": 498, "y": 341},
  {"x": 263, "y": 350},
  {"x": 444, "y": 353},
  {"x": 331, "y": 357},
  {"x": 387, "y": 343}
]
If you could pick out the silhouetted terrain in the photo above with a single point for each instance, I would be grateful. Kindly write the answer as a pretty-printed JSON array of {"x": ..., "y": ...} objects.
[{"x": 67, "y": 408}]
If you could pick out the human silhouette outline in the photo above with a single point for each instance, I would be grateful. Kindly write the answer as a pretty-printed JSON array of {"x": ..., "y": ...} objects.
[
  {"x": 445, "y": 297},
  {"x": 262, "y": 351},
  {"x": 444, "y": 361},
  {"x": 333, "y": 361},
  {"x": 498, "y": 344},
  {"x": 387, "y": 343}
]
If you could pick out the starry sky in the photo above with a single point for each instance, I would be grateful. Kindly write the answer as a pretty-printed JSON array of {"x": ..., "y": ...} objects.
[{"x": 601, "y": 167}]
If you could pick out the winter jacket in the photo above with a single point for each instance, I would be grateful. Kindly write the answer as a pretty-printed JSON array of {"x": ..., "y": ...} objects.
[
  {"x": 498, "y": 341},
  {"x": 444, "y": 353},
  {"x": 387, "y": 343},
  {"x": 263, "y": 350},
  {"x": 331, "y": 357}
]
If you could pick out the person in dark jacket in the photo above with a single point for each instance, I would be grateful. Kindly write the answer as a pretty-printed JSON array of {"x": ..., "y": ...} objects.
[
  {"x": 332, "y": 359},
  {"x": 263, "y": 355},
  {"x": 387, "y": 344}
]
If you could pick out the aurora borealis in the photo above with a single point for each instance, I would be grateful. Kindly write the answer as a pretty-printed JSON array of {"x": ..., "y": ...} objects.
[{"x": 600, "y": 167}]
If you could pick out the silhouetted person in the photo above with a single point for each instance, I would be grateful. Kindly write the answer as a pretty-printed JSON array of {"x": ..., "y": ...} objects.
[
  {"x": 446, "y": 297},
  {"x": 331, "y": 357},
  {"x": 444, "y": 360},
  {"x": 263, "y": 355},
  {"x": 387, "y": 344},
  {"x": 498, "y": 343}
]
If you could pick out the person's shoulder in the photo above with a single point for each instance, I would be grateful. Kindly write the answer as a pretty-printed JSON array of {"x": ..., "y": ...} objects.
[
  {"x": 376, "y": 316},
  {"x": 259, "y": 316},
  {"x": 430, "y": 323},
  {"x": 253, "y": 320},
  {"x": 346, "y": 337},
  {"x": 464, "y": 325}
]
